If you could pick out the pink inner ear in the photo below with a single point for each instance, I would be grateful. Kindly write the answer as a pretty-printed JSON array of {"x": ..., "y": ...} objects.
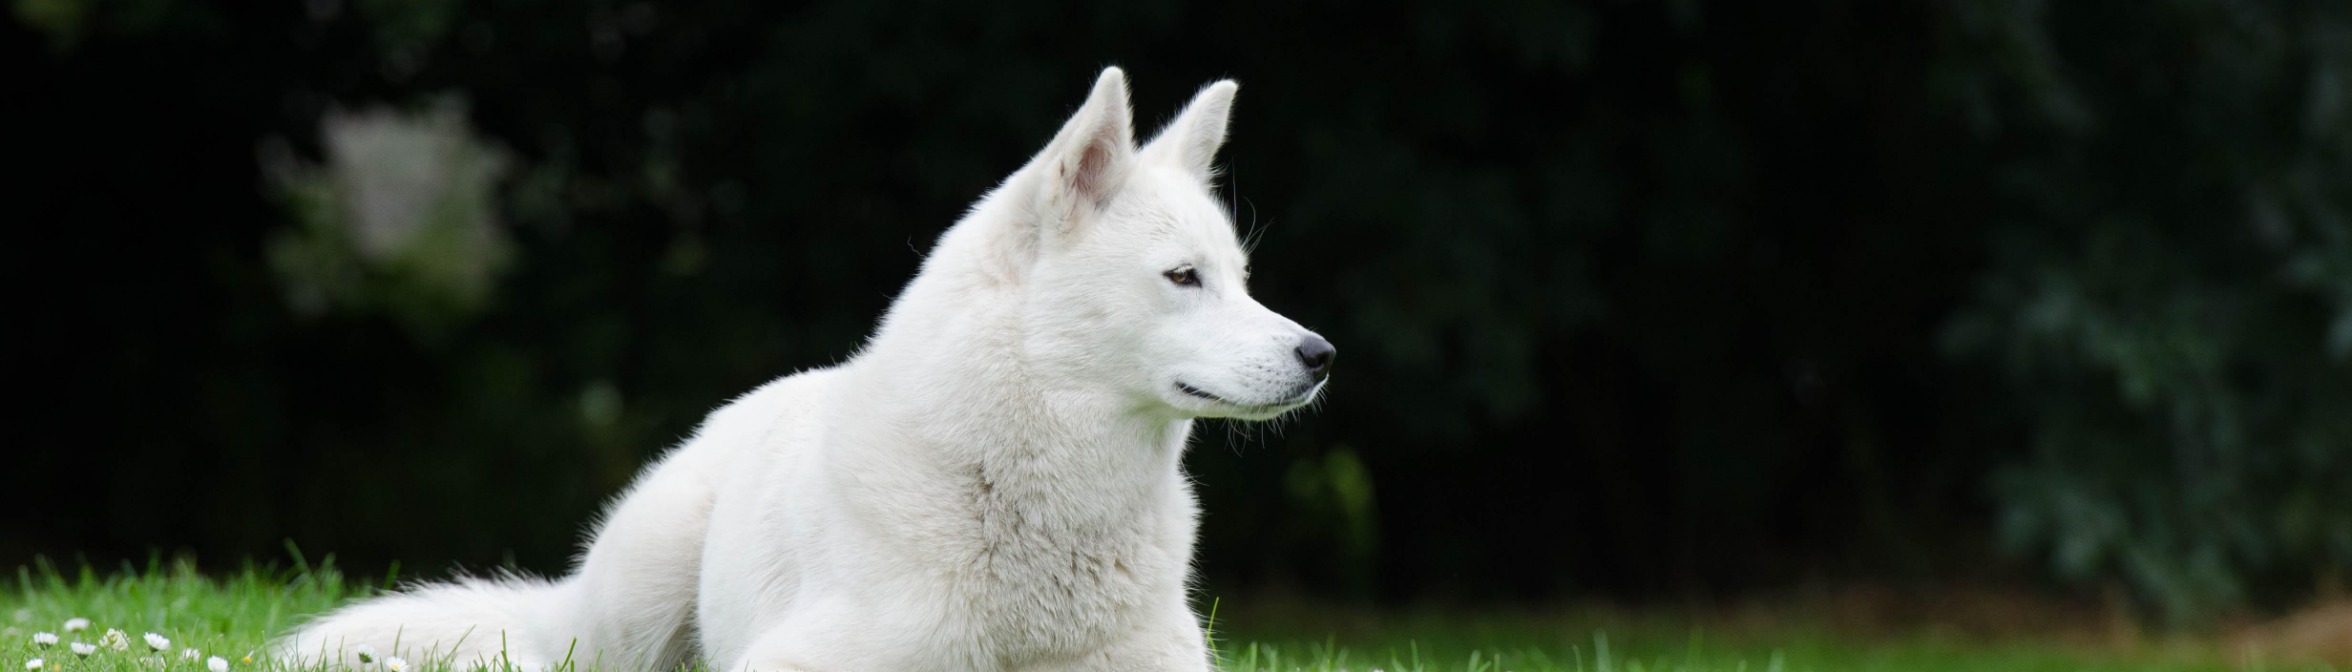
[{"x": 1094, "y": 167}]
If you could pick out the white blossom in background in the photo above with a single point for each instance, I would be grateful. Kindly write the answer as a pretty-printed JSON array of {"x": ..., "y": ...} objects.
[
  {"x": 395, "y": 664},
  {"x": 404, "y": 205},
  {"x": 190, "y": 654},
  {"x": 115, "y": 639},
  {"x": 34, "y": 664},
  {"x": 367, "y": 654},
  {"x": 44, "y": 639},
  {"x": 398, "y": 173},
  {"x": 77, "y": 624},
  {"x": 83, "y": 649},
  {"x": 156, "y": 643},
  {"x": 216, "y": 664}
]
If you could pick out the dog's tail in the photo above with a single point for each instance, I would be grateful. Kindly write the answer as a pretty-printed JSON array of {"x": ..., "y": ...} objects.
[{"x": 499, "y": 622}]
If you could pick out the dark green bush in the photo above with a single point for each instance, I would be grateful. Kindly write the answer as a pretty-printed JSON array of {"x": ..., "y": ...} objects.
[{"x": 2170, "y": 295}]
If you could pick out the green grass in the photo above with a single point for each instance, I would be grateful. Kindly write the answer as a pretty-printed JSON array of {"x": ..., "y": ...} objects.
[
  {"x": 233, "y": 615},
  {"x": 1275, "y": 636},
  {"x": 1597, "y": 642},
  {"x": 228, "y": 617}
]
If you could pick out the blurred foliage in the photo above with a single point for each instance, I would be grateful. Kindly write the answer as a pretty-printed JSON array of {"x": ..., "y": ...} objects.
[
  {"x": 67, "y": 22},
  {"x": 2170, "y": 296},
  {"x": 1640, "y": 300}
]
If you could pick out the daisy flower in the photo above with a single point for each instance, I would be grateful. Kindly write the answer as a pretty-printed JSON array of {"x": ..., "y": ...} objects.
[
  {"x": 157, "y": 643},
  {"x": 84, "y": 649},
  {"x": 34, "y": 664},
  {"x": 115, "y": 639},
  {"x": 77, "y": 624},
  {"x": 190, "y": 654},
  {"x": 395, "y": 664},
  {"x": 44, "y": 639},
  {"x": 367, "y": 654},
  {"x": 216, "y": 664}
]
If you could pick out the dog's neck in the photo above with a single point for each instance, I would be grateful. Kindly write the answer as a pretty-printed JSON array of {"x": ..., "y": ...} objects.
[{"x": 962, "y": 392}]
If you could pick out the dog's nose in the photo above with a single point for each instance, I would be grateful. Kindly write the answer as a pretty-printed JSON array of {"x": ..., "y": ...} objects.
[{"x": 1316, "y": 354}]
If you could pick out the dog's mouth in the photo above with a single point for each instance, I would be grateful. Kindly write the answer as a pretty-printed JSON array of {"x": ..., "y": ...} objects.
[
  {"x": 1197, "y": 392},
  {"x": 1301, "y": 398}
]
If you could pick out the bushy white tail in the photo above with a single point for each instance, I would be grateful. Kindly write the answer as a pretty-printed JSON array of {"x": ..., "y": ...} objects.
[{"x": 470, "y": 622}]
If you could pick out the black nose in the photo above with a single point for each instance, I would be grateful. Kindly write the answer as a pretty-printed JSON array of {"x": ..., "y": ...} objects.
[{"x": 1316, "y": 354}]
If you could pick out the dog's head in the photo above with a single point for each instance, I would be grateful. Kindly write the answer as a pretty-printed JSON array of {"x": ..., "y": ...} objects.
[{"x": 1132, "y": 275}]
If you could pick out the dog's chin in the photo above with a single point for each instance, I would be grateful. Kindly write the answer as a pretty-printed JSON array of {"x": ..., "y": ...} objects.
[{"x": 1200, "y": 403}]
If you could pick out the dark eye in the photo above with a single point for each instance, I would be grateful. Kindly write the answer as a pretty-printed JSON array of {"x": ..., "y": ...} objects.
[{"x": 1183, "y": 277}]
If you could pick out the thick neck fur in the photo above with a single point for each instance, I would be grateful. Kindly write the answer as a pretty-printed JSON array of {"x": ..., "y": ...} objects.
[{"x": 969, "y": 401}]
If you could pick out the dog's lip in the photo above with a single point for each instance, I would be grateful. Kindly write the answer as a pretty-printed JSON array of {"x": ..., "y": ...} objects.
[
  {"x": 1197, "y": 392},
  {"x": 1181, "y": 386}
]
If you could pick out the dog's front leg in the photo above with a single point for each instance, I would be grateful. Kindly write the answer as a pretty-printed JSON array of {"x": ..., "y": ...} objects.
[
  {"x": 841, "y": 634},
  {"x": 807, "y": 654},
  {"x": 1173, "y": 642}
]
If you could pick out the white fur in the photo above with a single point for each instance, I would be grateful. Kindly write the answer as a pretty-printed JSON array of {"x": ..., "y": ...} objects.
[{"x": 992, "y": 484}]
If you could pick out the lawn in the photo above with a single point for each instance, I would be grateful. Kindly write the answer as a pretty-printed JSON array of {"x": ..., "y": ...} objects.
[
  {"x": 1616, "y": 641},
  {"x": 230, "y": 616}
]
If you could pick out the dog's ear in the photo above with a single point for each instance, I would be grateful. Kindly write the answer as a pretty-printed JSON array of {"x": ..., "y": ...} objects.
[
  {"x": 1191, "y": 141},
  {"x": 1090, "y": 157}
]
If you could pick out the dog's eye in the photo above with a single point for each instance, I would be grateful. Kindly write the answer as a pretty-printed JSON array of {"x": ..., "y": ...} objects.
[{"x": 1183, "y": 277}]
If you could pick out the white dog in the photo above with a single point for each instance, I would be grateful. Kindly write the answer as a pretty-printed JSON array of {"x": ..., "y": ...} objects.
[{"x": 992, "y": 484}]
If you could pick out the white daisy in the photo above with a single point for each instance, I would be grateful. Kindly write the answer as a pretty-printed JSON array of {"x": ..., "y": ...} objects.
[
  {"x": 395, "y": 664},
  {"x": 44, "y": 639},
  {"x": 34, "y": 664},
  {"x": 77, "y": 624},
  {"x": 157, "y": 643},
  {"x": 367, "y": 654},
  {"x": 216, "y": 664},
  {"x": 190, "y": 654},
  {"x": 84, "y": 649},
  {"x": 115, "y": 639}
]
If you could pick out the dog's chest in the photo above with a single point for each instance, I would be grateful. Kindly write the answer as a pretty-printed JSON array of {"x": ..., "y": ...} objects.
[{"x": 1047, "y": 583}]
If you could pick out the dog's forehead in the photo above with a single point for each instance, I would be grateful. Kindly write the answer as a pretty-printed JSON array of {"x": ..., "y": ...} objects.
[{"x": 1191, "y": 213}]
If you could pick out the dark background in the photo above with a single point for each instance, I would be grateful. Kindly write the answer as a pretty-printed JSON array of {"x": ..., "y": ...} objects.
[{"x": 1638, "y": 301}]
